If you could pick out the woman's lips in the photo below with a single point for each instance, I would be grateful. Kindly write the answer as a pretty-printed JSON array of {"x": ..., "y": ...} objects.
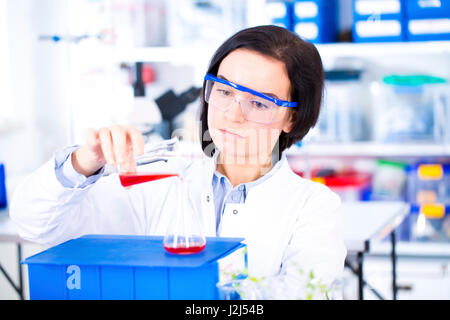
[{"x": 229, "y": 134}]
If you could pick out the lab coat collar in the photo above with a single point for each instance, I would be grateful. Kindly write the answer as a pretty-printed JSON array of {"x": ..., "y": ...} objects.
[
  {"x": 210, "y": 167},
  {"x": 211, "y": 164}
]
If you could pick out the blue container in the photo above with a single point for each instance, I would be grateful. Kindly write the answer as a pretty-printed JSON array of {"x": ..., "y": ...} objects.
[
  {"x": 280, "y": 13},
  {"x": 428, "y": 182},
  {"x": 429, "y": 223},
  {"x": 382, "y": 9},
  {"x": 427, "y": 9},
  {"x": 316, "y": 20},
  {"x": 425, "y": 225},
  {"x": 428, "y": 20},
  {"x": 379, "y": 21},
  {"x": 428, "y": 29},
  {"x": 3, "y": 201},
  {"x": 126, "y": 267}
]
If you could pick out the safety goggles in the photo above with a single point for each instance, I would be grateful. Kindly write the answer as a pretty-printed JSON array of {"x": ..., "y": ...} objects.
[{"x": 255, "y": 106}]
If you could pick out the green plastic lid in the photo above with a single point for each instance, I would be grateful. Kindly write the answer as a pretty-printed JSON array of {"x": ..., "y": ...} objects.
[
  {"x": 412, "y": 80},
  {"x": 390, "y": 163}
]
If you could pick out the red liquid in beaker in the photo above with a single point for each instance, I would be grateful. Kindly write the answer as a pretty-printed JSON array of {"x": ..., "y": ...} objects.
[
  {"x": 183, "y": 249},
  {"x": 129, "y": 179}
]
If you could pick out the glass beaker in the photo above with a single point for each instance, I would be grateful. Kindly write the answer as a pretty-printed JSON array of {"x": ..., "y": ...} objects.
[
  {"x": 184, "y": 234},
  {"x": 137, "y": 170}
]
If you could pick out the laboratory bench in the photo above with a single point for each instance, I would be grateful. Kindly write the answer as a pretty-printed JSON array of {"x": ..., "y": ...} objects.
[{"x": 423, "y": 270}]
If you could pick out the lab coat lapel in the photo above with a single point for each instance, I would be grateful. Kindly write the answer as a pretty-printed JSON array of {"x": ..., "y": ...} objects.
[
  {"x": 200, "y": 191},
  {"x": 235, "y": 221}
]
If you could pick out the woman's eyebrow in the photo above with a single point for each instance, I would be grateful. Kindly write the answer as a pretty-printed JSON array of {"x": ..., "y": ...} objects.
[{"x": 266, "y": 93}]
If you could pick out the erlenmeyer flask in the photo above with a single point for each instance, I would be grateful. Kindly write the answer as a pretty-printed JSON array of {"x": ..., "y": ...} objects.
[
  {"x": 184, "y": 234},
  {"x": 140, "y": 172}
]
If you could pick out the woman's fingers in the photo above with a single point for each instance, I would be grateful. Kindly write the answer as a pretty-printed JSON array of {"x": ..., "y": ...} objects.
[
  {"x": 137, "y": 140},
  {"x": 107, "y": 145},
  {"x": 116, "y": 145},
  {"x": 119, "y": 145},
  {"x": 92, "y": 138},
  {"x": 119, "y": 140}
]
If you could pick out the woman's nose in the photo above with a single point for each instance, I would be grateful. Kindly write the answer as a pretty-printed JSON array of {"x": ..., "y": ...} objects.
[{"x": 234, "y": 112}]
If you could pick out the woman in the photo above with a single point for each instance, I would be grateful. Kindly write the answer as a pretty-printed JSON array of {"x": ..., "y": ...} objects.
[{"x": 261, "y": 94}]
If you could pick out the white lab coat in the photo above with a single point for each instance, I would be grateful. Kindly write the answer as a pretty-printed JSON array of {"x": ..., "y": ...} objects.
[{"x": 286, "y": 220}]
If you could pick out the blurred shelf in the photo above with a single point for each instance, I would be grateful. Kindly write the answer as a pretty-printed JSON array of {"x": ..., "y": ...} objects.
[
  {"x": 412, "y": 249},
  {"x": 447, "y": 149},
  {"x": 370, "y": 149},
  {"x": 8, "y": 126},
  {"x": 191, "y": 55},
  {"x": 202, "y": 54},
  {"x": 384, "y": 48}
]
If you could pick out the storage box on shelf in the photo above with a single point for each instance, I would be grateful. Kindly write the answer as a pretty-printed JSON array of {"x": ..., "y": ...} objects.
[
  {"x": 316, "y": 20},
  {"x": 428, "y": 191},
  {"x": 428, "y": 20},
  {"x": 349, "y": 184},
  {"x": 389, "y": 181},
  {"x": 378, "y": 21},
  {"x": 430, "y": 223},
  {"x": 346, "y": 110},
  {"x": 369, "y": 149},
  {"x": 428, "y": 183},
  {"x": 280, "y": 13},
  {"x": 410, "y": 108}
]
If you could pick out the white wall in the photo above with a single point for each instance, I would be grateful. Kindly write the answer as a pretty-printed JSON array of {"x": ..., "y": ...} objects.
[
  {"x": 37, "y": 81},
  {"x": 33, "y": 100}
]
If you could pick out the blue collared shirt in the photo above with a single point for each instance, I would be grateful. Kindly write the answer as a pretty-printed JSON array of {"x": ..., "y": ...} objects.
[{"x": 67, "y": 175}]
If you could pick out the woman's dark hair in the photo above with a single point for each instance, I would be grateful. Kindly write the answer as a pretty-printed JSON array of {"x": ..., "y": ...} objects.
[{"x": 304, "y": 68}]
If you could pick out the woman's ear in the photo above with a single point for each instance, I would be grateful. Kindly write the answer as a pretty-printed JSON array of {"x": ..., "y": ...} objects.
[{"x": 292, "y": 119}]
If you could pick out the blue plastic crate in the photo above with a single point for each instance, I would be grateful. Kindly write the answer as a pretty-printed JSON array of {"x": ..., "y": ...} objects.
[
  {"x": 382, "y": 9},
  {"x": 126, "y": 267},
  {"x": 424, "y": 185},
  {"x": 315, "y": 21},
  {"x": 427, "y": 9},
  {"x": 427, "y": 20},
  {"x": 428, "y": 29},
  {"x": 419, "y": 226},
  {"x": 307, "y": 10},
  {"x": 280, "y": 13},
  {"x": 379, "y": 21},
  {"x": 429, "y": 225},
  {"x": 379, "y": 31}
]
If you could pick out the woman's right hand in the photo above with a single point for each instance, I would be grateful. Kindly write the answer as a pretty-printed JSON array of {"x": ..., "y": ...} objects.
[{"x": 116, "y": 145}]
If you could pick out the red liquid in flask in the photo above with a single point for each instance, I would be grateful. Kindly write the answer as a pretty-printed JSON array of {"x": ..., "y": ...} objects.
[
  {"x": 183, "y": 249},
  {"x": 130, "y": 179}
]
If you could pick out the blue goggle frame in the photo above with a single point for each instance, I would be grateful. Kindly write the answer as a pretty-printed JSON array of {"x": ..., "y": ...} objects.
[{"x": 278, "y": 102}]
